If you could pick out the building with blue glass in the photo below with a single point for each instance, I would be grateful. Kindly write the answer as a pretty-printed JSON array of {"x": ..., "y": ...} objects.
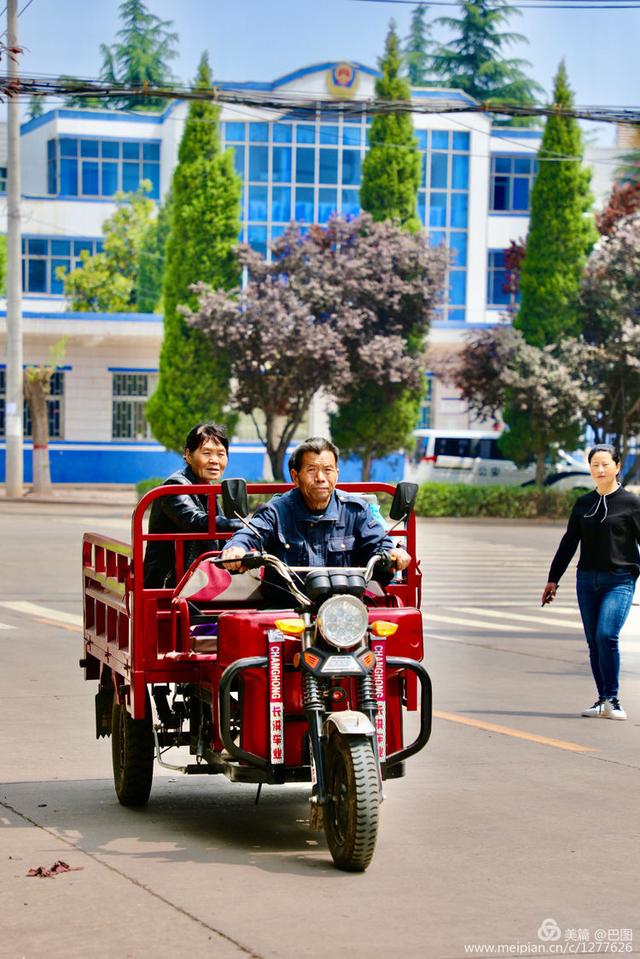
[{"x": 474, "y": 198}]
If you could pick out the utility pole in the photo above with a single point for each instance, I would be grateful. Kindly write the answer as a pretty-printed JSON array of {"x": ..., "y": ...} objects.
[{"x": 14, "y": 395}]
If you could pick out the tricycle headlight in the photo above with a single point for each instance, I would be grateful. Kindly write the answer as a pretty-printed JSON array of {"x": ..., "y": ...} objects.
[{"x": 343, "y": 621}]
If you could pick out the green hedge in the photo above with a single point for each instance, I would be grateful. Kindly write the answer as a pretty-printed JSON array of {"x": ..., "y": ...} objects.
[
  {"x": 145, "y": 485},
  {"x": 508, "y": 502}
]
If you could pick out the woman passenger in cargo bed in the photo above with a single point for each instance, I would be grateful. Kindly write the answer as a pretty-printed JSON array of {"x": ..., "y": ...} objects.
[{"x": 206, "y": 456}]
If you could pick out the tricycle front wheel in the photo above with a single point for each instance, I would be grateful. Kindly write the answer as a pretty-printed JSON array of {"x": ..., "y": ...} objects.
[
  {"x": 132, "y": 750},
  {"x": 353, "y": 801}
]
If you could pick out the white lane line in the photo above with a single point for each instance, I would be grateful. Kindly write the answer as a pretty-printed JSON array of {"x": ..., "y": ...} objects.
[
  {"x": 6, "y": 626},
  {"x": 547, "y": 620},
  {"x": 34, "y": 609},
  {"x": 474, "y": 623},
  {"x": 450, "y": 602}
]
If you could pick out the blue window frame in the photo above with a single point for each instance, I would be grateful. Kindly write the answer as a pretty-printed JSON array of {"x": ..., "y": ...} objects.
[
  {"x": 93, "y": 167},
  {"x": 328, "y": 166},
  {"x": 460, "y": 172},
  {"x": 459, "y": 210},
  {"x": 258, "y": 132},
  {"x": 41, "y": 257},
  {"x": 352, "y": 136},
  {"x": 458, "y": 247},
  {"x": 457, "y": 287},
  {"x": 282, "y": 133},
  {"x": 351, "y": 167},
  {"x": 327, "y": 204},
  {"x": 281, "y": 165},
  {"x": 498, "y": 293},
  {"x": 129, "y": 393},
  {"x": 55, "y": 407},
  {"x": 238, "y": 160},
  {"x": 350, "y": 202},
  {"x": 234, "y": 132},
  {"x": 259, "y": 164},
  {"x": 281, "y": 204},
  {"x": 306, "y": 133},
  {"x": 461, "y": 141},
  {"x": 305, "y": 165},
  {"x": 258, "y": 202},
  {"x": 512, "y": 178},
  {"x": 439, "y": 171},
  {"x": 440, "y": 139},
  {"x": 329, "y": 135},
  {"x": 307, "y": 171},
  {"x": 257, "y": 238},
  {"x": 304, "y": 204},
  {"x": 438, "y": 209}
]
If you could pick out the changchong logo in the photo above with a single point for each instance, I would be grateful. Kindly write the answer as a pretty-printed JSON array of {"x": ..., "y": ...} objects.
[{"x": 549, "y": 930}]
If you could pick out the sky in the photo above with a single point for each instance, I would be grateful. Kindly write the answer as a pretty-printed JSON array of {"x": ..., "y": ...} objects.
[{"x": 264, "y": 39}]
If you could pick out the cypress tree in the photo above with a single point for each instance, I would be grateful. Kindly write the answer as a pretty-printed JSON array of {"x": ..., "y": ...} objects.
[
  {"x": 561, "y": 232},
  {"x": 205, "y": 207},
  {"x": 151, "y": 261},
  {"x": 391, "y": 168},
  {"x": 376, "y": 420}
]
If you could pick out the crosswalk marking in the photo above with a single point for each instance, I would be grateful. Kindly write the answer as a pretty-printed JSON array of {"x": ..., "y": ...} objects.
[
  {"x": 34, "y": 609},
  {"x": 6, "y": 626},
  {"x": 474, "y": 624},
  {"x": 547, "y": 620}
]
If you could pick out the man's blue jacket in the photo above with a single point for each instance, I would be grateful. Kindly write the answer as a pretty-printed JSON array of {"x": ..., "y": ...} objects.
[{"x": 346, "y": 534}]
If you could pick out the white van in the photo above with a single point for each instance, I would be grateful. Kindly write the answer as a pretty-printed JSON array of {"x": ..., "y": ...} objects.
[{"x": 473, "y": 456}]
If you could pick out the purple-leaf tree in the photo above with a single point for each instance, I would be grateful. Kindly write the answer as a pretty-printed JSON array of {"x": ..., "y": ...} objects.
[
  {"x": 497, "y": 370},
  {"x": 338, "y": 309},
  {"x": 610, "y": 301}
]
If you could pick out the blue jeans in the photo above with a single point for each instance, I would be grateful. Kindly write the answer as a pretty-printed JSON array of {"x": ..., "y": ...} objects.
[{"x": 604, "y": 600}]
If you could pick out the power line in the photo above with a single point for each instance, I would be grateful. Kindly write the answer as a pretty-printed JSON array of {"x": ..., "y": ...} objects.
[
  {"x": 521, "y": 5},
  {"x": 303, "y": 104}
]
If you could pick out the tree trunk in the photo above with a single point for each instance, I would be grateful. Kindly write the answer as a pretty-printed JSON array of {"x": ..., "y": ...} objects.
[
  {"x": 37, "y": 383},
  {"x": 276, "y": 445},
  {"x": 367, "y": 463},
  {"x": 540, "y": 468}
]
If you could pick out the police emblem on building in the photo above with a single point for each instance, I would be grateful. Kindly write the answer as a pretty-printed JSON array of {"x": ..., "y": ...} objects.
[{"x": 342, "y": 80}]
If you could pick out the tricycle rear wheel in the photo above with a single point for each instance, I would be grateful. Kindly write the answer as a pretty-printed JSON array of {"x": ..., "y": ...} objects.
[
  {"x": 132, "y": 750},
  {"x": 353, "y": 801}
]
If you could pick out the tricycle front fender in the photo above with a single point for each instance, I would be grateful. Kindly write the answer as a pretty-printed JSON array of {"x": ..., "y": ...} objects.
[{"x": 349, "y": 722}]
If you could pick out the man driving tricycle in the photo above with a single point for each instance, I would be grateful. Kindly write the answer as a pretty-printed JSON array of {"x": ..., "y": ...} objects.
[{"x": 304, "y": 674}]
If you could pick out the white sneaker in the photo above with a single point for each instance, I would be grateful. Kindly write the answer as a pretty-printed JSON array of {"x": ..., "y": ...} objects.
[
  {"x": 597, "y": 709},
  {"x": 613, "y": 710}
]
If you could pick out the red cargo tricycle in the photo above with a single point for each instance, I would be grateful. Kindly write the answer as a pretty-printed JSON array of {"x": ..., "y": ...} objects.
[{"x": 313, "y": 692}]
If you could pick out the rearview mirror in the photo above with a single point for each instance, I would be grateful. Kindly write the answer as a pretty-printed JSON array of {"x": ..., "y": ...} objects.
[
  {"x": 404, "y": 500},
  {"x": 234, "y": 498}
]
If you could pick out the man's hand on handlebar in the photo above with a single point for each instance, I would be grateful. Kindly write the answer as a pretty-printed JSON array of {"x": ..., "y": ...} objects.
[
  {"x": 231, "y": 559},
  {"x": 399, "y": 557}
]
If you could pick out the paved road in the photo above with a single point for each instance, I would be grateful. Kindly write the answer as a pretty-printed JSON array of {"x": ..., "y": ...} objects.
[{"x": 518, "y": 812}]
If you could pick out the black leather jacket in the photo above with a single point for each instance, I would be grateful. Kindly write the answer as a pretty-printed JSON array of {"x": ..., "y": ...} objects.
[{"x": 182, "y": 514}]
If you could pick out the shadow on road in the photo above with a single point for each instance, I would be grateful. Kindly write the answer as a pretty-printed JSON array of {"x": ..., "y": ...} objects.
[{"x": 184, "y": 821}]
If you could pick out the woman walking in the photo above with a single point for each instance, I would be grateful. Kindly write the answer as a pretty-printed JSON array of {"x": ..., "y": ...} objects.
[{"x": 606, "y": 524}]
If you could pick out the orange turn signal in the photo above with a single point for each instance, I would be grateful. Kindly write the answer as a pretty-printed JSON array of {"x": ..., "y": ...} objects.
[
  {"x": 382, "y": 628},
  {"x": 290, "y": 627}
]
